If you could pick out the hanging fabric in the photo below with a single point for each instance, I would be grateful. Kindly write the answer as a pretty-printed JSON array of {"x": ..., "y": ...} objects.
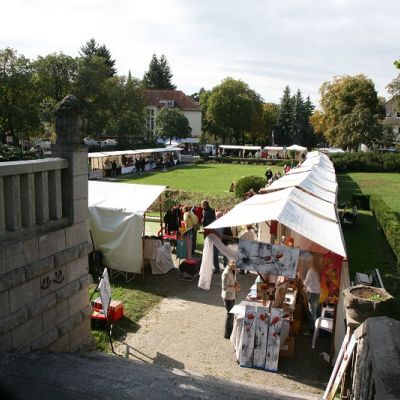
[{"x": 206, "y": 268}]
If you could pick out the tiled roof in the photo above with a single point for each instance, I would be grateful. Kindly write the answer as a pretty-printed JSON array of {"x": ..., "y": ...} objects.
[{"x": 185, "y": 103}]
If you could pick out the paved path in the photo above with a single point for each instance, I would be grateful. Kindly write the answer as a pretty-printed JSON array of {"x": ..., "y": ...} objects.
[{"x": 41, "y": 376}]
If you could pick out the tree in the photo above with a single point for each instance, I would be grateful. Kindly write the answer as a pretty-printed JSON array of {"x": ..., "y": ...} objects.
[
  {"x": 92, "y": 89},
  {"x": 269, "y": 120},
  {"x": 93, "y": 49},
  {"x": 158, "y": 75},
  {"x": 232, "y": 110},
  {"x": 172, "y": 124},
  {"x": 196, "y": 96},
  {"x": 284, "y": 127},
  {"x": 19, "y": 116},
  {"x": 126, "y": 116},
  {"x": 352, "y": 111},
  {"x": 53, "y": 77}
]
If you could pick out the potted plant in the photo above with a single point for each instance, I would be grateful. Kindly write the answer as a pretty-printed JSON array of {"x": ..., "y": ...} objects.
[{"x": 363, "y": 302}]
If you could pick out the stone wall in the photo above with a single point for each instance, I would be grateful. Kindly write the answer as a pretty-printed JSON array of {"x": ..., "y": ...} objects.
[{"x": 44, "y": 247}]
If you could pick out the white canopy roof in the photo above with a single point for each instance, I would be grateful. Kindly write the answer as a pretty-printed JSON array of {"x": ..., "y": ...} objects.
[
  {"x": 296, "y": 147},
  {"x": 309, "y": 181},
  {"x": 323, "y": 173},
  {"x": 276, "y": 148},
  {"x": 305, "y": 214},
  {"x": 123, "y": 196},
  {"x": 236, "y": 147},
  {"x": 132, "y": 152}
]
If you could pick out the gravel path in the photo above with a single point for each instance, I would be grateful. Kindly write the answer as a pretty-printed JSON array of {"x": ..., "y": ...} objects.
[{"x": 185, "y": 332}]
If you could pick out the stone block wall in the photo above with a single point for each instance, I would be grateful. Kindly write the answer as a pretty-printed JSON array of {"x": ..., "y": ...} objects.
[{"x": 44, "y": 291}]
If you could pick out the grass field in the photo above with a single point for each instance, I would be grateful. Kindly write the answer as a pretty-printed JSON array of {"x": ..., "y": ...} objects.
[{"x": 207, "y": 179}]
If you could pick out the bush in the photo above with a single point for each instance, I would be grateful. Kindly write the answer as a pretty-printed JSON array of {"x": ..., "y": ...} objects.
[
  {"x": 243, "y": 185},
  {"x": 361, "y": 200},
  {"x": 14, "y": 153},
  {"x": 366, "y": 162},
  {"x": 389, "y": 221}
]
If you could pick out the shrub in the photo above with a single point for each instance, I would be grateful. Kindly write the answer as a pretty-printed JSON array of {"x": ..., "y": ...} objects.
[
  {"x": 243, "y": 185},
  {"x": 389, "y": 221},
  {"x": 361, "y": 200},
  {"x": 13, "y": 153},
  {"x": 366, "y": 162}
]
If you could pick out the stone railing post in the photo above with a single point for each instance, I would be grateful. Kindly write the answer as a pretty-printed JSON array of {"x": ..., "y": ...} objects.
[{"x": 69, "y": 145}]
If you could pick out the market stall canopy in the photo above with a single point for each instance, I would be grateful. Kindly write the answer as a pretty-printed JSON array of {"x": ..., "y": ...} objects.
[
  {"x": 310, "y": 217},
  {"x": 296, "y": 147},
  {"x": 310, "y": 181},
  {"x": 322, "y": 172},
  {"x": 116, "y": 212},
  {"x": 276, "y": 148},
  {"x": 237, "y": 147}
]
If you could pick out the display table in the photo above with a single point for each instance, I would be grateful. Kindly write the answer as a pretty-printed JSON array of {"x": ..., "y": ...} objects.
[{"x": 286, "y": 340}]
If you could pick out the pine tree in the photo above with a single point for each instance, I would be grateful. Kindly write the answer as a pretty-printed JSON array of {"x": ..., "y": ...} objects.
[
  {"x": 159, "y": 74},
  {"x": 93, "y": 49},
  {"x": 284, "y": 127}
]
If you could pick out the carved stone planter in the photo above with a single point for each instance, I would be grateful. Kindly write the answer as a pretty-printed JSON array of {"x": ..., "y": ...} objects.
[{"x": 363, "y": 302}]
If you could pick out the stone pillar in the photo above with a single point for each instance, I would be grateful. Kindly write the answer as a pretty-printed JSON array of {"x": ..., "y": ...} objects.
[{"x": 69, "y": 145}]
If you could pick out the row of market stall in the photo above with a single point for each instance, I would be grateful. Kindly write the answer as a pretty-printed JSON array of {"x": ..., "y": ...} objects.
[
  {"x": 303, "y": 202},
  {"x": 272, "y": 152}
]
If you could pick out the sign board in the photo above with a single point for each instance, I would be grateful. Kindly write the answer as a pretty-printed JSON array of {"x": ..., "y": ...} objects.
[
  {"x": 268, "y": 258},
  {"x": 105, "y": 291}
]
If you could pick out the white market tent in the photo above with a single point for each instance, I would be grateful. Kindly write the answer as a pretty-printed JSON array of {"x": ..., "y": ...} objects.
[
  {"x": 116, "y": 215},
  {"x": 312, "y": 218},
  {"x": 296, "y": 147},
  {"x": 304, "y": 208},
  {"x": 237, "y": 147}
]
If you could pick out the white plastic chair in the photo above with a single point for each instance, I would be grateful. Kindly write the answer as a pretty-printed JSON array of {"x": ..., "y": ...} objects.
[{"x": 323, "y": 322}]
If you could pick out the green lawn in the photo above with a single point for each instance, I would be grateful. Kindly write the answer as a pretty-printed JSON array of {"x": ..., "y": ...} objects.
[
  {"x": 367, "y": 247},
  {"x": 207, "y": 179}
]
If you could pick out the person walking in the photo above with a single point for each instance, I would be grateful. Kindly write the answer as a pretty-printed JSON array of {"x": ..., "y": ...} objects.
[{"x": 229, "y": 289}]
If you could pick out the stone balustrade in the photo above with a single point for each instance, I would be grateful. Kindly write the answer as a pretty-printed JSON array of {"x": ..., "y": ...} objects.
[{"x": 30, "y": 194}]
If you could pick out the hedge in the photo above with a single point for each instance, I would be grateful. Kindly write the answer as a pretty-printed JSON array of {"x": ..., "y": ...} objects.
[
  {"x": 243, "y": 185},
  {"x": 371, "y": 161},
  {"x": 389, "y": 221},
  {"x": 14, "y": 153}
]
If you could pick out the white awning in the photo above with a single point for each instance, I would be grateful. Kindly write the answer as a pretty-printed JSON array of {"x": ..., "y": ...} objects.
[
  {"x": 123, "y": 196},
  {"x": 310, "y": 217},
  {"x": 296, "y": 147},
  {"x": 236, "y": 147}
]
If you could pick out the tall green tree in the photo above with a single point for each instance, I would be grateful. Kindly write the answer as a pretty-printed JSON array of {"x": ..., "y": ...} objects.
[
  {"x": 171, "y": 123},
  {"x": 269, "y": 121},
  {"x": 352, "y": 111},
  {"x": 126, "y": 117},
  {"x": 19, "y": 104},
  {"x": 92, "y": 89},
  {"x": 233, "y": 110},
  {"x": 53, "y": 77},
  {"x": 92, "y": 49},
  {"x": 159, "y": 75},
  {"x": 284, "y": 127}
]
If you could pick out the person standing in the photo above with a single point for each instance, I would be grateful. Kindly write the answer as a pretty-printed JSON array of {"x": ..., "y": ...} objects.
[
  {"x": 191, "y": 222},
  {"x": 114, "y": 169},
  {"x": 229, "y": 289},
  {"x": 313, "y": 287}
]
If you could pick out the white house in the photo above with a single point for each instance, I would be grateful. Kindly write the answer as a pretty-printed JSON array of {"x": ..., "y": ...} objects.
[{"x": 155, "y": 100}]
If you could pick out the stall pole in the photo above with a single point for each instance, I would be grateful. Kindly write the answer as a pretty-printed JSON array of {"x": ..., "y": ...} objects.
[{"x": 332, "y": 355}]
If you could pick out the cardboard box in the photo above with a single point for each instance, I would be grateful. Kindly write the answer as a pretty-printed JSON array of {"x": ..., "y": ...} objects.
[{"x": 287, "y": 348}]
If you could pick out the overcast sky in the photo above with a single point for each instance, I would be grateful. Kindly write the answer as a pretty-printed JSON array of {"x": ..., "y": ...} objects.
[{"x": 266, "y": 43}]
